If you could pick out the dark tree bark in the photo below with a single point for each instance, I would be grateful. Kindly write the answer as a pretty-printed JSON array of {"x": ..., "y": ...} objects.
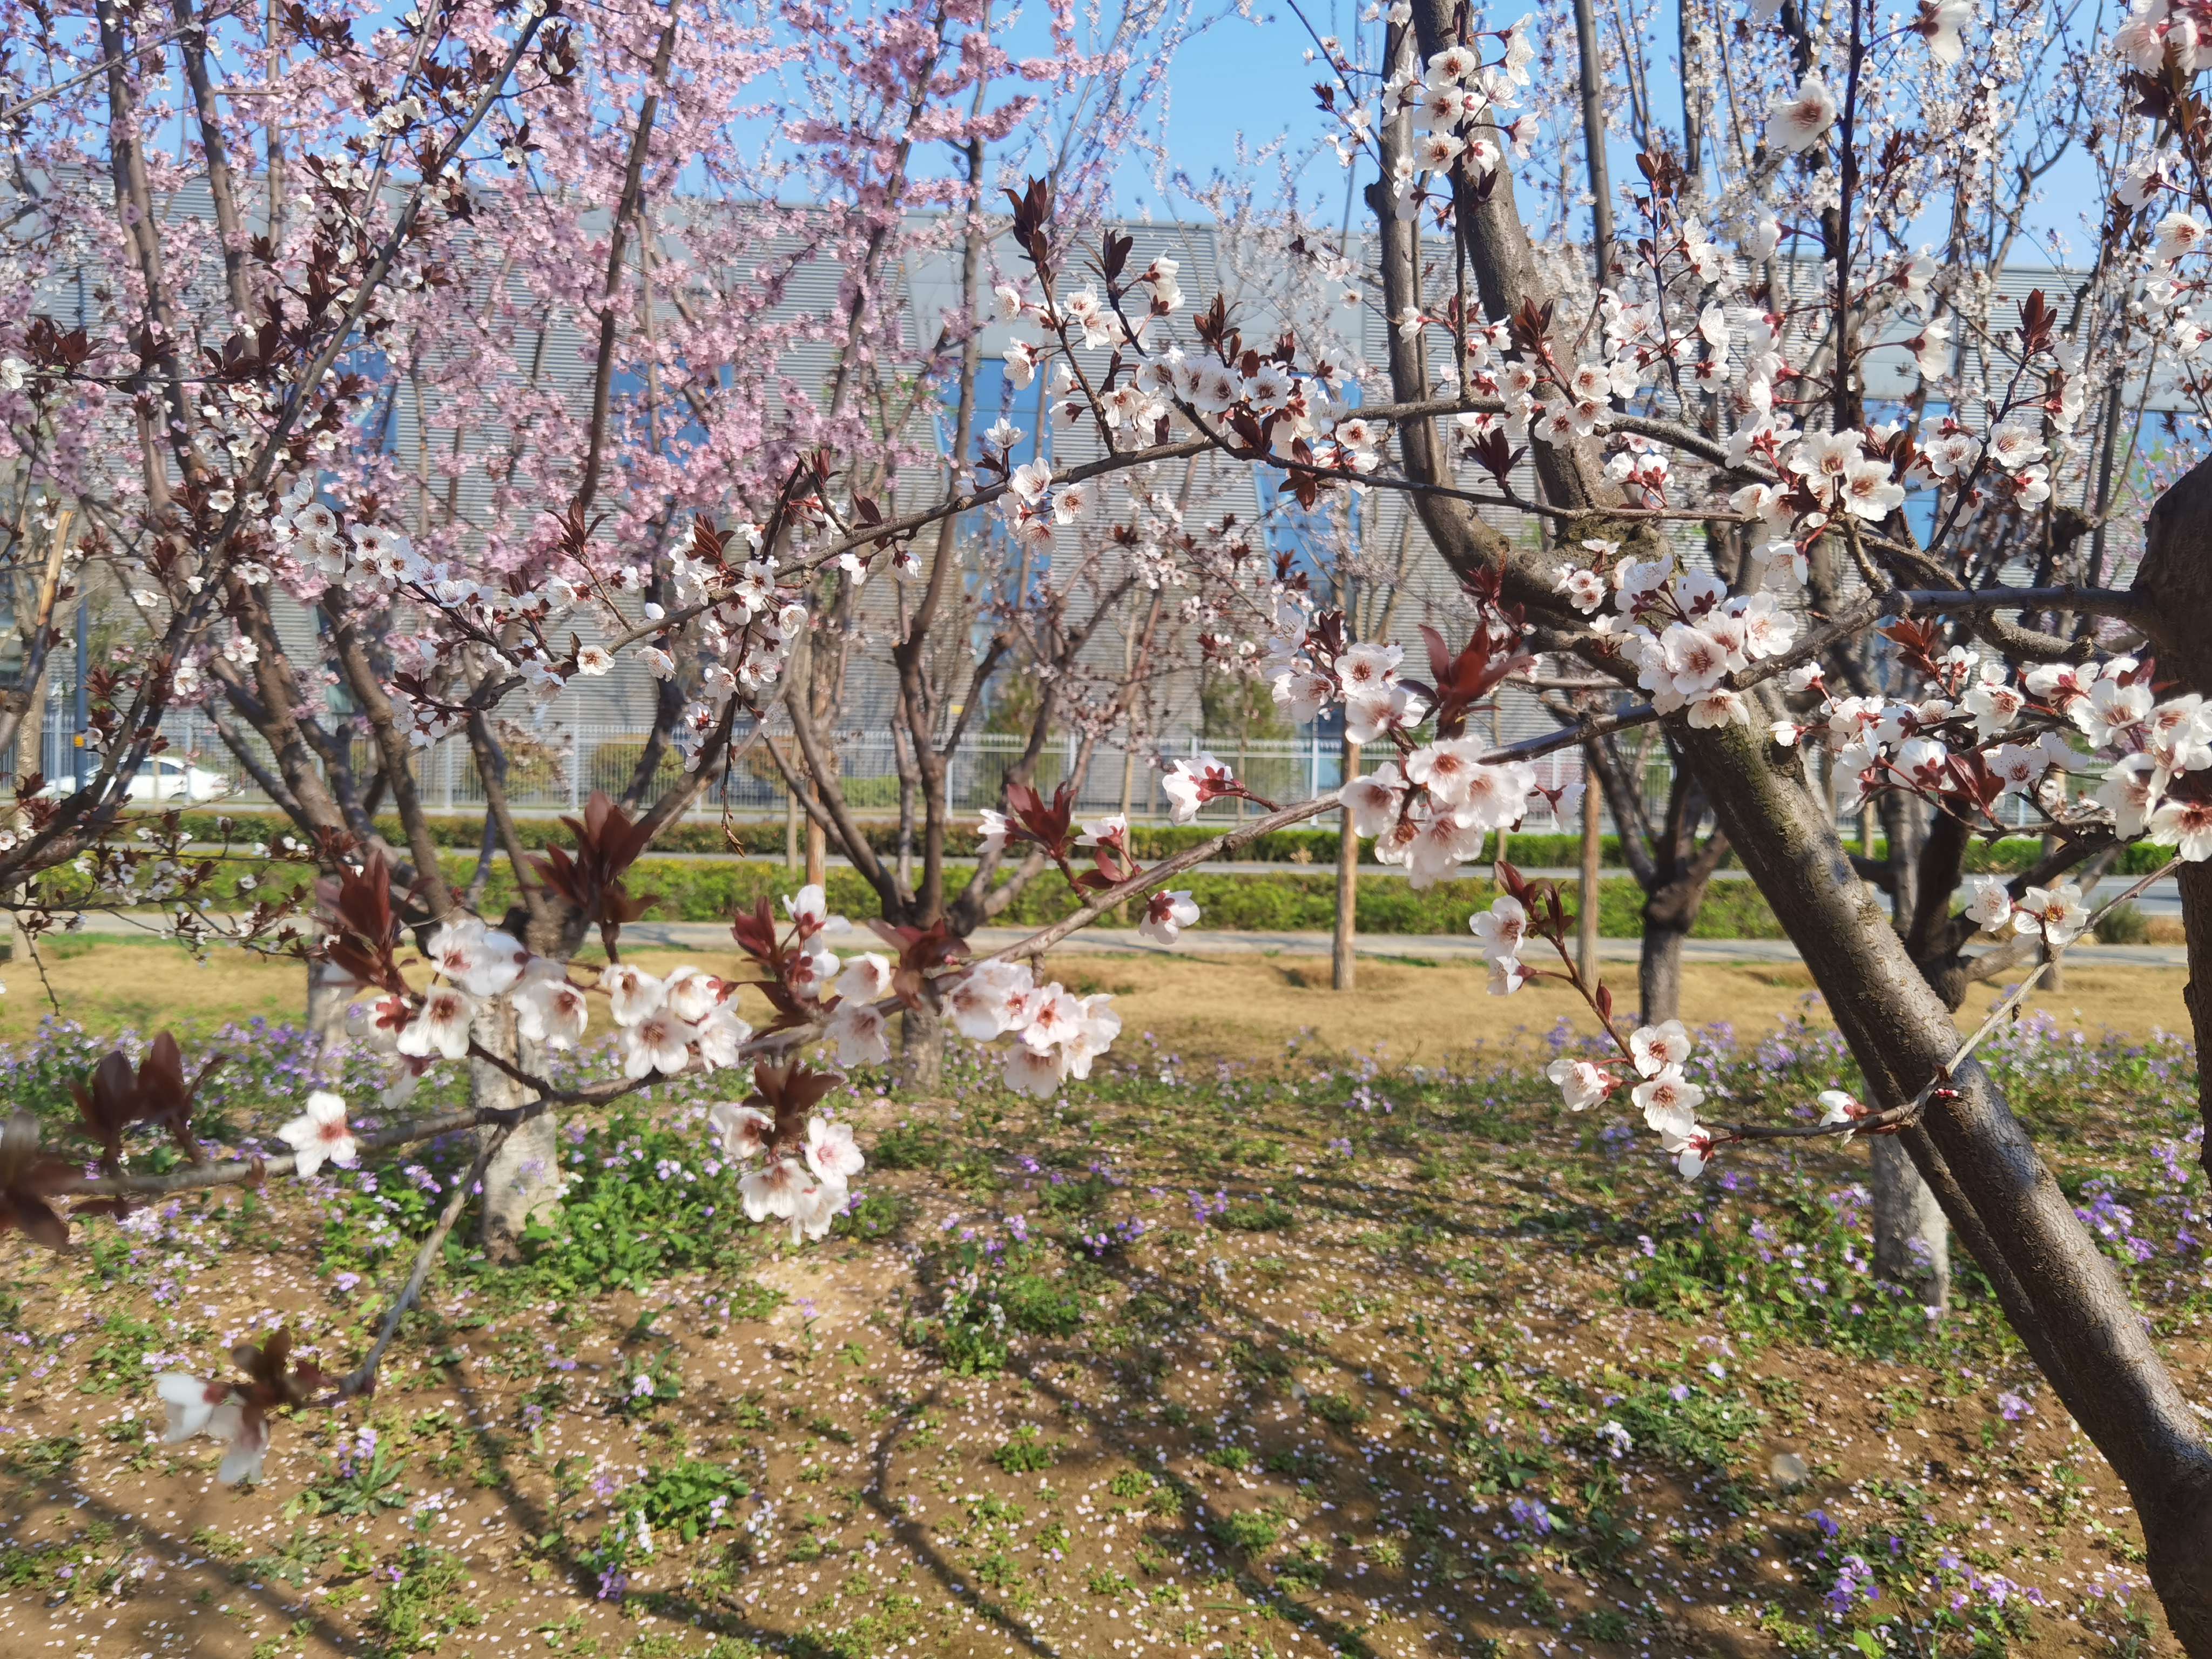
[
  {"x": 922, "y": 1049},
  {"x": 2176, "y": 574}
]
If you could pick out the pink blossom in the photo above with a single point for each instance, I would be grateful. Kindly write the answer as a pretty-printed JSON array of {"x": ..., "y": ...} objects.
[
  {"x": 858, "y": 1031},
  {"x": 1501, "y": 928},
  {"x": 742, "y": 1131},
  {"x": 658, "y": 1041},
  {"x": 1581, "y": 1084}
]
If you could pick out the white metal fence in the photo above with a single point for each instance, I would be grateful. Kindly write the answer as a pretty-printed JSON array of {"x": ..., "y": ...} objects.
[{"x": 555, "y": 771}]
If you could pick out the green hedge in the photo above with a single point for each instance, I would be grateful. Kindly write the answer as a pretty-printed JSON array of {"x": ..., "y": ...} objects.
[
  {"x": 1305, "y": 847},
  {"x": 1242, "y": 903},
  {"x": 699, "y": 891},
  {"x": 704, "y": 835},
  {"x": 1279, "y": 902}
]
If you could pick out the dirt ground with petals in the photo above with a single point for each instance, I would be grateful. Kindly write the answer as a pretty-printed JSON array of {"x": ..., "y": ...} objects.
[{"x": 1368, "y": 1353}]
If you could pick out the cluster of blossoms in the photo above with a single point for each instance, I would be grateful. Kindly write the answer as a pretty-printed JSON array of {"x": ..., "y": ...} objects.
[
  {"x": 1432, "y": 810},
  {"x": 1056, "y": 1033},
  {"x": 1666, "y": 1097},
  {"x": 663, "y": 1025},
  {"x": 1263, "y": 402},
  {"x": 808, "y": 1183},
  {"x": 2172, "y": 274},
  {"x": 1679, "y": 629},
  {"x": 1983, "y": 733},
  {"x": 1430, "y": 806},
  {"x": 1655, "y": 1055},
  {"x": 841, "y": 993},
  {"x": 1695, "y": 325},
  {"x": 746, "y": 624},
  {"x": 1301, "y": 418},
  {"x": 1457, "y": 100}
]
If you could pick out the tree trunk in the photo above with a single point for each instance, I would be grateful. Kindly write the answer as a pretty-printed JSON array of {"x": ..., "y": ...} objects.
[
  {"x": 1911, "y": 1240},
  {"x": 1343, "y": 957},
  {"x": 2196, "y": 881},
  {"x": 2059, "y": 1292},
  {"x": 921, "y": 1051},
  {"x": 2176, "y": 575},
  {"x": 1659, "y": 969},
  {"x": 1593, "y": 846},
  {"x": 523, "y": 1180},
  {"x": 1900, "y": 823},
  {"x": 326, "y": 1012}
]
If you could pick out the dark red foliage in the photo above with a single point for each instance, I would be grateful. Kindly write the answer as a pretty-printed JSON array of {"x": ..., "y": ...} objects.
[
  {"x": 607, "y": 844},
  {"x": 920, "y": 950},
  {"x": 1460, "y": 681},
  {"x": 787, "y": 1093},
  {"x": 113, "y": 1099},
  {"x": 28, "y": 1179},
  {"x": 269, "y": 1384},
  {"x": 358, "y": 908},
  {"x": 1033, "y": 821}
]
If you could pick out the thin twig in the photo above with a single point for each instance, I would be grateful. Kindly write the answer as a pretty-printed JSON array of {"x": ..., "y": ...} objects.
[
  {"x": 1896, "y": 1117},
  {"x": 363, "y": 1378},
  {"x": 31, "y": 944}
]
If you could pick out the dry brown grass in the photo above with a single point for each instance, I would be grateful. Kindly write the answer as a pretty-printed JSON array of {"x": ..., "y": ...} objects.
[{"x": 1242, "y": 1004}]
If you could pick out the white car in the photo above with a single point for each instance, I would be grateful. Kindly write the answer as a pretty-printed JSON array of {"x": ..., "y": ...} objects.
[{"x": 161, "y": 778}]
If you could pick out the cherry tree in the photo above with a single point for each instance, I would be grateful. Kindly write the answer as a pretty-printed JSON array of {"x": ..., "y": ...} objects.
[
  {"x": 1701, "y": 308},
  {"x": 1755, "y": 427}
]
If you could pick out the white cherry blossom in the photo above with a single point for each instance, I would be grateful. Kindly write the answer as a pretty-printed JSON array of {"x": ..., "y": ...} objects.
[
  {"x": 1655, "y": 1047},
  {"x": 2057, "y": 913},
  {"x": 1794, "y": 124},
  {"x": 1669, "y": 1101},
  {"x": 320, "y": 1133},
  {"x": 1502, "y": 928},
  {"x": 1166, "y": 915},
  {"x": 865, "y": 978},
  {"x": 1582, "y": 1084},
  {"x": 1988, "y": 903},
  {"x": 656, "y": 1041},
  {"x": 742, "y": 1131},
  {"x": 858, "y": 1033},
  {"x": 440, "y": 1026}
]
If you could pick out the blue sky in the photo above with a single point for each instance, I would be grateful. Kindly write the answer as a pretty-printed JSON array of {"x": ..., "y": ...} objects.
[
  {"x": 1241, "y": 101},
  {"x": 1240, "y": 87},
  {"x": 1244, "y": 84}
]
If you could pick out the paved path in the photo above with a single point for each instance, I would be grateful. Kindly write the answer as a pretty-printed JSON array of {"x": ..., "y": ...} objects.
[
  {"x": 1426, "y": 950},
  {"x": 2163, "y": 899}
]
